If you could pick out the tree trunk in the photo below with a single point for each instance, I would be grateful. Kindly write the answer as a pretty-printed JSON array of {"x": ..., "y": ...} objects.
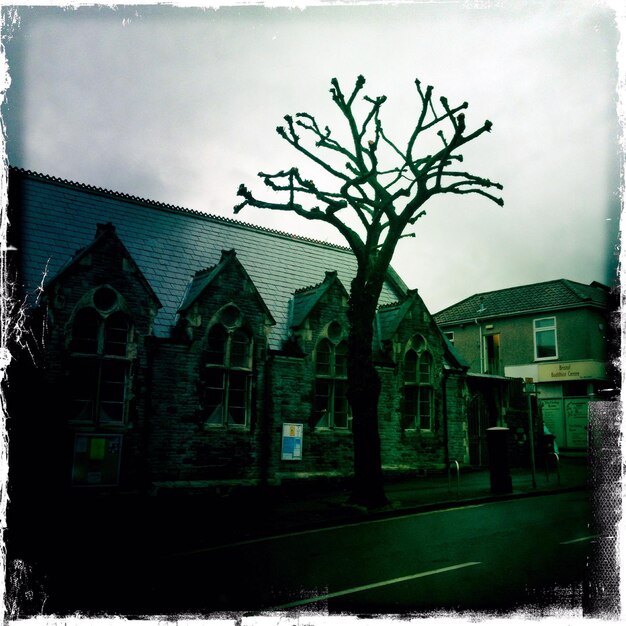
[{"x": 363, "y": 393}]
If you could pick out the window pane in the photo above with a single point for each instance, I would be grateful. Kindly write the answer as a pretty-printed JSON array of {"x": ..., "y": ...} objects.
[
  {"x": 240, "y": 349},
  {"x": 425, "y": 408},
  {"x": 321, "y": 408},
  {"x": 112, "y": 390},
  {"x": 546, "y": 343},
  {"x": 410, "y": 366},
  {"x": 85, "y": 332},
  {"x": 547, "y": 322},
  {"x": 216, "y": 345},
  {"x": 238, "y": 398},
  {"x": 409, "y": 411},
  {"x": 340, "y": 415},
  {"x": 213, "y": 395},
  {"x": 341, "y": 360},
  {"x": 426, "y": 362},
  {"x": 83, "y": 387},
  {"x": 116, "y": 335},
  {"x": 322, "y": 359}
]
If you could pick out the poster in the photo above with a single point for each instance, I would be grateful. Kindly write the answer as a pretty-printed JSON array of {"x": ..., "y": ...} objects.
[{"x": 292, "y": 442}]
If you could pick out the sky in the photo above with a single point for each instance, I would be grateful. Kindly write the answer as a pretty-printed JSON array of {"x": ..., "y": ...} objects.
[{"x": 180, "y": 105}]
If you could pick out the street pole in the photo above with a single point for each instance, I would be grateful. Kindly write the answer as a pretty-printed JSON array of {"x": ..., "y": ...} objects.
[{"x": 531, "y": 433}]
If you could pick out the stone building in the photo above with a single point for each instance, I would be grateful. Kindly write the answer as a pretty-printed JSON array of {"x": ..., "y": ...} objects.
[{"x": 176, "y": 350}]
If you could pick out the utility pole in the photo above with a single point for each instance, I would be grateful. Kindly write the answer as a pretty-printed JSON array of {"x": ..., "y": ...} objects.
[{"x": 529, "y": 388}]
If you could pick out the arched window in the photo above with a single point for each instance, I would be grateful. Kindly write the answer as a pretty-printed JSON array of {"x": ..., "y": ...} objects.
[
  {"x": 226, "y": 377},
  {"x": 99, "y": 366},
  {"x": 330, "y": 408},
  {"x": 418, "y": 386}
]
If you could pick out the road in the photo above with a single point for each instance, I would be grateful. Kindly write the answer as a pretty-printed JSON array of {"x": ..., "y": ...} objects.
[{"x": 494, "y": 556}]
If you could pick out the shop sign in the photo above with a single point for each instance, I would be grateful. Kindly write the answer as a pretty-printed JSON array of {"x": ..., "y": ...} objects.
[
  {"x": 576, "y": 420},
  {"x": 292, "y": 442},
  {"x": 574, "y": 370},
  {"x": 552, "y": 414}
]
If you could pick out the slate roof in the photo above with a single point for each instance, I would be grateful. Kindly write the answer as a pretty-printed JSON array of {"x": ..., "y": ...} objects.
[
  {"x": 169, "y": 244},
  {"x": 204, "y": 278},
  {"x": 305, "y": 299},
  {"x": 390, "y": 316},
  {"x": 538, "y": 297}
]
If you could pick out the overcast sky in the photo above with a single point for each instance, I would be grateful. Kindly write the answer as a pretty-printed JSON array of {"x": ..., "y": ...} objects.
[{"x": 180, "y": 105}]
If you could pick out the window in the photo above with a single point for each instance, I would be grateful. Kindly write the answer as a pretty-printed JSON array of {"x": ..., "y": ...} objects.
[
  {"x": 99, "y": 366},
  {"x": 226, "y": 375},
  {"x": 418, "y": 386},
  {"x": 491, "y": 352},
  {"x": 449, "y": 334},
  {"x": 545, "y": 338},
  {"x": 330, "y": 406}
]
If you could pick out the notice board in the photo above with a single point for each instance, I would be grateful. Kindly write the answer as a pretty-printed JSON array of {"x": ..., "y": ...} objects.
[{"x": 291, "y": 449}]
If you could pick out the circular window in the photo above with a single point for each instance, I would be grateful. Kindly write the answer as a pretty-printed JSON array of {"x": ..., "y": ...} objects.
[
  {"x": 230, "y": 316},
  {"x": 104, "y": 299},
  {"x": 334, "y": 331},
  {"x": 418, "y": 343}
]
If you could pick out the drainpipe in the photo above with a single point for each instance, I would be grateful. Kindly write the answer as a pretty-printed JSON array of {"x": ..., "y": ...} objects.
[
  {"x": 444, "y": 407},
  {"x": 480, "y": 344}
]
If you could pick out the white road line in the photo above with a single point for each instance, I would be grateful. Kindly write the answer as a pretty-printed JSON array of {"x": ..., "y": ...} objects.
[
  {"x": 587, "y": 538},
  {"x": 383, "y": 583},
  {"x": 312, "y": 531}
]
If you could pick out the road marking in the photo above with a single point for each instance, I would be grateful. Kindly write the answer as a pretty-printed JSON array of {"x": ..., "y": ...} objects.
[
  {"x": 587, "y": 538},
  {"x": 383, "y": 583},
  {"x": 237, "y": 544}
]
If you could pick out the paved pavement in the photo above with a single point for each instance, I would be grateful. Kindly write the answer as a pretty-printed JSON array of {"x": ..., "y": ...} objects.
[{"x": 294, "y": 508}]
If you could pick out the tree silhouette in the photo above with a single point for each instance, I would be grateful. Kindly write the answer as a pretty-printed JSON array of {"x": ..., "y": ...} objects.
[{"x": 378, "y": 190}]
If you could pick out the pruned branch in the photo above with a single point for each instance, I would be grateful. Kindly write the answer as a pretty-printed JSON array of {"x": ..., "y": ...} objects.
[{"x": 384, "y": 185}]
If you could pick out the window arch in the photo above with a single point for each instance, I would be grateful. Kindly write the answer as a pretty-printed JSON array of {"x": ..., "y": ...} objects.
[
  {"x": 99, "y": 370},
  {"x": 330, "y": 407},
  {"x": 418, "y": 390},
  {"x": 226, "y": 377}
]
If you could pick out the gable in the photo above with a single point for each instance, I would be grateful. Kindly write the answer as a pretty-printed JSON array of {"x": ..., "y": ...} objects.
[
  {"x": 169, "y": 245},
  {"x": 105, "y": 258}
]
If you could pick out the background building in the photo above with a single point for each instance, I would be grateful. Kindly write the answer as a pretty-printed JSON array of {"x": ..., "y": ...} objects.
[{"x": 553, "y": 333}]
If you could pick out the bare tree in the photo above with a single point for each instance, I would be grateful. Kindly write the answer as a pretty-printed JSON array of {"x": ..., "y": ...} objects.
[{"x": 385, "y": 185}]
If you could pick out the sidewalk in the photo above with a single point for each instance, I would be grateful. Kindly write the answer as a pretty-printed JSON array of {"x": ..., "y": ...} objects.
[{"x": 297, "y": 508}]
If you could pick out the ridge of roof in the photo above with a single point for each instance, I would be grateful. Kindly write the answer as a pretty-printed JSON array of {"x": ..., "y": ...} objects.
[
  {"x": 171, "y": 207},
  {"x": 312, "y": 288},
  {"x": 520, "y": 300}
]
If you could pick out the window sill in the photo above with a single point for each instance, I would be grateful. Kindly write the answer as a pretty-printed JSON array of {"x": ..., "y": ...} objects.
[
  {"x": 546, "y": 358},
  {"x": 332, "y": 431},
  {"x": 83, "y": 426},
  {"x": 423, "y": 431}
]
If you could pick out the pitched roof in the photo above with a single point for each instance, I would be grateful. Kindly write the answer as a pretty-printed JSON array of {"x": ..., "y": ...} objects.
[
  {"x": 169, "y": 244},
  {"x": 389, "y": 316},
  {"x": 104, "y": 231},
  {"x": 538, "y": 297},
  {"x": 305, "y": 299},
  {"x": 204, "y": 278}
]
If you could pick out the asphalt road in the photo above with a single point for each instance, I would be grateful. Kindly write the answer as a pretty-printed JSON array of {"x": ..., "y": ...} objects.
[{"x": 521, "y": 554}]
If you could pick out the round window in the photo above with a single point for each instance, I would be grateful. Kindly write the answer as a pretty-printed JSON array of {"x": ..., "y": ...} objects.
[
  {"x": 418, "y": 343},
  {"x": 334, "y": 331},
  {"x": 230, "y": 316},
  {"x": 104, "y": 299}
]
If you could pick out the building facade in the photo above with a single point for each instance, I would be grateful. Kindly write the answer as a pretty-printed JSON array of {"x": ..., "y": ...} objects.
[
  {"x": 553, "y": 334},
  {"x": 174, "y": 350}
]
